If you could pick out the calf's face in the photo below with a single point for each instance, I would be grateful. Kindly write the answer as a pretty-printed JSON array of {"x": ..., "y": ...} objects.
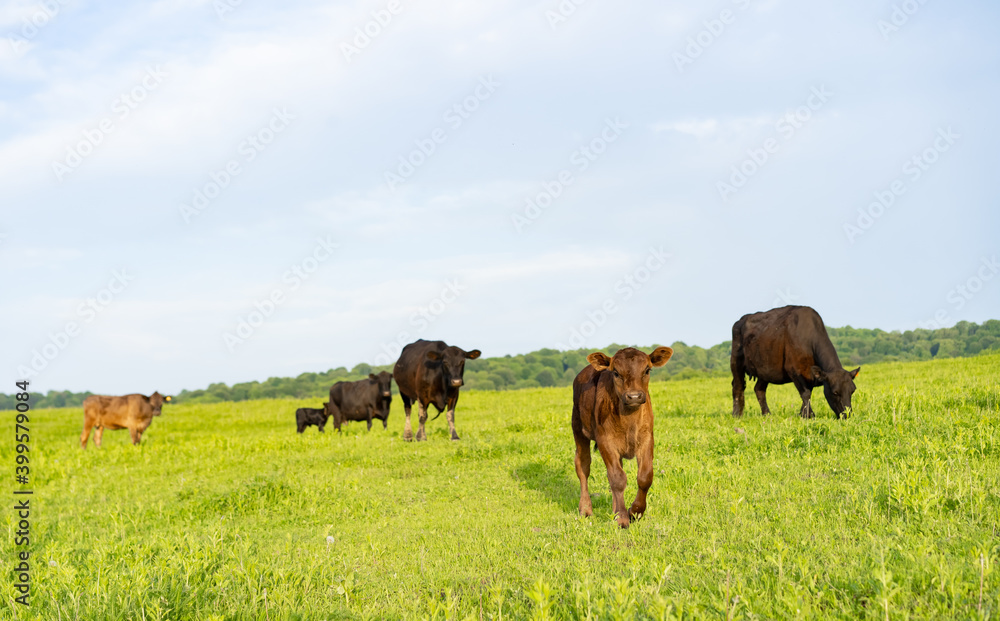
[
  {"x": 629, "y": 370},
  {"x": 156, "y": 401},
  {"x": 838, "y": 387},
  {"x": 452, "y": 361}
]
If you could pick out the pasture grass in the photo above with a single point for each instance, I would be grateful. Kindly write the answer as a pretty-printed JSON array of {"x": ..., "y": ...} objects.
[{"x": 224, "y": 512}]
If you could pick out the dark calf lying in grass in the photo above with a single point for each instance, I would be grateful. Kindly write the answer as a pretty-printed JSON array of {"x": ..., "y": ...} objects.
[
  {"x": 312, "y": 416},
  {"x": 612, "y": 408}
]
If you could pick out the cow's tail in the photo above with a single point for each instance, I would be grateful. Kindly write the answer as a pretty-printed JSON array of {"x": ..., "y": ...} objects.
[{"x": 438, "y": 414}]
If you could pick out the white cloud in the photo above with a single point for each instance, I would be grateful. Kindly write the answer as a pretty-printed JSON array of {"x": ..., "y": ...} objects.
[{"x": 715, "y": 127}]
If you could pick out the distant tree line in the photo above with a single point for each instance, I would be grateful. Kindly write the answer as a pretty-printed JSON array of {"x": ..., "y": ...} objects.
[{"x": 548, "y": 367}]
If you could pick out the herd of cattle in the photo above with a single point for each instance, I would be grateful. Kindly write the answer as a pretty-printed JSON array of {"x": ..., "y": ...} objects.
[{"x": 611, "y": 403}]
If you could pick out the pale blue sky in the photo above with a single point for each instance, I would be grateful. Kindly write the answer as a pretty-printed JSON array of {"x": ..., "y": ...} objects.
[{"x": 436, "y": 251}]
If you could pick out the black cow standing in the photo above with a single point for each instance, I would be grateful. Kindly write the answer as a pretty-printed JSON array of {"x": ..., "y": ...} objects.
[
  {"x": 365, "y": 400},
  {"x": 311, "y": 416},
  {"x": 430, "y": 372},
  {"x": 785, "y": 345}
]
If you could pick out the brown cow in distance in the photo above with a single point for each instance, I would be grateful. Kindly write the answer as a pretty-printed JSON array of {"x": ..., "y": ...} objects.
[
  {"x": 612, "y": 408},
  {"x": 789, "y": 344},
  {"x": 133, "y": 412},
  {"x": 430, "y": 372}
]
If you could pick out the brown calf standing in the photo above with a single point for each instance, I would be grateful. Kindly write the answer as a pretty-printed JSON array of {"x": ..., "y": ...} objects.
[
  {"x": 133, "y": 412},
  {"x": 612, "y": 408}
]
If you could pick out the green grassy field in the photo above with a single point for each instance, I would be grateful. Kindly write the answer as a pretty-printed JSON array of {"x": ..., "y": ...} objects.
[{"x": 224, "y": 512}]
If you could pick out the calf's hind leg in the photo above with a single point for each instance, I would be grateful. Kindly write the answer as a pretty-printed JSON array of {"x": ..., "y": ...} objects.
[
  {"x": 407, "y": 427},
  {"x": 422, "y": 415},
  {"x": 736, "y": 365},
  {"x": 617, "y": 481},
  {"x": 644, "y": 461},
  {"x": 87, "y": 425},
  {"x": 739, "y": 386},
  {"x": 582, "y": 463},
  {"x": 760, "y": 389}
]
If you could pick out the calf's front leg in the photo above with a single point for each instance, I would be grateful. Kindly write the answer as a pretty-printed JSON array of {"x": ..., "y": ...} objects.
[
  {"x": 806, "y": 393},
  {"x": 451, "y": 423}
]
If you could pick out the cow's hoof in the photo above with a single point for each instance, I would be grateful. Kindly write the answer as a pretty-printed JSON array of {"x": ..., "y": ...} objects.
[
  {"x": 454, "y": 436},
  {"x": 586, "y": 510},
  {"x": 623, "y": 522}
]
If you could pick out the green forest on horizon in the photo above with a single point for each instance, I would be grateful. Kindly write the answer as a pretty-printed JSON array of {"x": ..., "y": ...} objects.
[{"x": 549, "y": 367}]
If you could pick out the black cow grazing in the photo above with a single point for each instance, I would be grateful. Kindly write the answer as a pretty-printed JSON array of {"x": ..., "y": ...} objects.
[
  {"x": 430, "y": 372},
  {"x": 362, "y": 400},
  {"x": 311, "y": 416},
  {"x": 784, "y": 345}
]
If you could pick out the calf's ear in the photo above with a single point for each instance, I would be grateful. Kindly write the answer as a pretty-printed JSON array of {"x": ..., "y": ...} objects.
[
  {"x": 818, "y": 374},
  {"x": 660, "y": 356},
  {"x": 472, "y": 355},
  {"x": 433, "y": 355},
  {"x": 853, "y": 373},
  {"x": 169, "y": 398},
  {"x": 599, "y": 360}
]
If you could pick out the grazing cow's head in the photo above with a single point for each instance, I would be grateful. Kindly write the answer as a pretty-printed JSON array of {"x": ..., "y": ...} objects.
[
  {"x": 156, "y": 401},
  {"x": 630, "y": 372},
  {"x": 838, "y": 386},
  {"x": 452, "y": 361},
  {"x": 326, "y": 409}
]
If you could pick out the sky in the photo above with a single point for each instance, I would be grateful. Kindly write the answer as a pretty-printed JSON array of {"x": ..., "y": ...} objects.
[{"x": 199, "y": 191}]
